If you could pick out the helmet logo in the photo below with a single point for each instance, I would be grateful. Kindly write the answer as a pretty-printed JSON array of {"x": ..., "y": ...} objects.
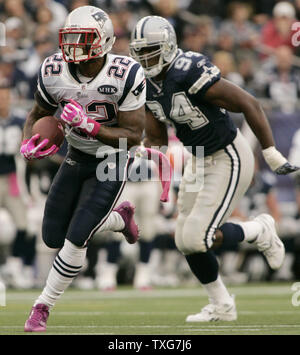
[{"x": 100, "y": 17}]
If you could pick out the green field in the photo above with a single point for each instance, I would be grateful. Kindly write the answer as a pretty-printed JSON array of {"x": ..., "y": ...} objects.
[{"x": 262, "y": 309}]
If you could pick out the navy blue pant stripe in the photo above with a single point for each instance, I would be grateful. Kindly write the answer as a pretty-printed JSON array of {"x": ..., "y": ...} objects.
[{"x": 216, "y": 214}]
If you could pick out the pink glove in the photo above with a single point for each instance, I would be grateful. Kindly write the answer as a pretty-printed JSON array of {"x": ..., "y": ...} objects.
[
  {"x": 30, "y": 150},
  {"x": 74, "y": 116},
  {"x": 164, "y": 168}
]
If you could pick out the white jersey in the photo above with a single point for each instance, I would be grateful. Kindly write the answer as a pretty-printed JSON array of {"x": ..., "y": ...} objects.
[{"x": 119, "y": 86}]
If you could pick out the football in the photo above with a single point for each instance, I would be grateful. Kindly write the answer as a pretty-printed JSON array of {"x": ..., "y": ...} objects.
[{"x": 49, "y": 127}]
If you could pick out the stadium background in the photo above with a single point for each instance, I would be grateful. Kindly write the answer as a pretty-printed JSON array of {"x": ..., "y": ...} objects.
[{"x": 252, "y": 44}]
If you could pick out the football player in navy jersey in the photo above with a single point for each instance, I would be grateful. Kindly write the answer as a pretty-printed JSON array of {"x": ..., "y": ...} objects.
[
  {"x": 102, "y": 98},
  {"x": 186, "y": 90}
]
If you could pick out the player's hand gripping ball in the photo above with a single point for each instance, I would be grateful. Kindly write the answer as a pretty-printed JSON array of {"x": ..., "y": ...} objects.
[{"x": 47, "y": 138}]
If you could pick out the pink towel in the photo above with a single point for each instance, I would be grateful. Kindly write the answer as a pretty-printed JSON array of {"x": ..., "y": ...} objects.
[
  {"x": 13, "y": 185},
  {"x": 165, "y": 171}
]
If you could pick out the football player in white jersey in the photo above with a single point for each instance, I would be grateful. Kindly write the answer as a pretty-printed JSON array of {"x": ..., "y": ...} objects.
[{"x": 102, "y": 98}]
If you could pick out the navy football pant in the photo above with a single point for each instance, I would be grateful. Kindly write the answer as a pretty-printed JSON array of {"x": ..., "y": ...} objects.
[{"x": 78, "y": 203}]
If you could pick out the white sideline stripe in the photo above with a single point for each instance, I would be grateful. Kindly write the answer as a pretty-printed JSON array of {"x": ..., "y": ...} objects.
[
  {"x": 61, "y": 333},
  {"x": 71, "y": 295},
  {"x": 97, "y": 313},
  {"x": 224, "y": 330},
  {"x": 187, "y": 327}
]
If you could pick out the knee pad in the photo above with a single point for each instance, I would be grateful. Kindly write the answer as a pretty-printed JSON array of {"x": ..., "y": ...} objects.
[
  {"x": 52, "y": 236},
  {"x": 204, "y": 266},
  {"x": 192, "y": 237},
  {"x": 51, "y": 242}
]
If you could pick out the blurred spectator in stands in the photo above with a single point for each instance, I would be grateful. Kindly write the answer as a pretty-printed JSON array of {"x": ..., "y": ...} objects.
[
  {"x": 17, "y": 46},
  {"x": 200, "y": 37},
  {"x": 58, "y": 12},
  {"x": 73, "y": 4},
  {"x": 246, "y": 67},
  {"x": 265, "y": 7},
  {"x": 16, "y": 8},
  {"x": 239, "y": 26},
  {"x": 16, "y": 51},
  {"x": 23, "y": 245},
  {"x": 278, "y": 31},
  {"x": 226, "y": 63},
  {"x": 10, "y": 71},
  {"x": 44, "y": 18},
  {"x": 263, "y": 12},
  {"x": 170, "y": 11},
  {"x": 225, "y": 42},
  {"x": 121, "y": 45},
  {"x": 123, "y": 21},
  {"x": 294, "y": 156},
  {"x": 211, "y": 8},
  {"x": 297, "y": 8},
  {"x": 279, "y": 80},
  {"x": 43, "y": 47}
]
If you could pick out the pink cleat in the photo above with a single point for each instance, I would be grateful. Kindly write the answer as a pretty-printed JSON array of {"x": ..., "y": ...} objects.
[
  {"x": 131, "y": 232},
  {"x": 37, "y": 319}
]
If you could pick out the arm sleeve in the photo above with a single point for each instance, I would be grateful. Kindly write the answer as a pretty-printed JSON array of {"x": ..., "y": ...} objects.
[
  {"x": 201, "y": 76},
  {"x": 42, "y": 102},
  {"x": 43, "y": 93},
  {"x": 134, "y": 95}
]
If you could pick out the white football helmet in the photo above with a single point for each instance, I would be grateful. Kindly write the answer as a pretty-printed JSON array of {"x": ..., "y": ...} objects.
[
  {"x": 156, "y": 32},
  {"x": 88, "y": 33}
]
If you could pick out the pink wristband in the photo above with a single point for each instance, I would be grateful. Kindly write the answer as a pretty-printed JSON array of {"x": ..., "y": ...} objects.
[{"x": 95, "y": 129}]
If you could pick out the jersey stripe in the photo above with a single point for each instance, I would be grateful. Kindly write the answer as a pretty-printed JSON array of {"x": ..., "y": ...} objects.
[
  {"x": 129, "y": 82},
  {"x": 205, "y": 79},
  {"x": 230, "y": 191},
  {"x": 43, "y": 91}
]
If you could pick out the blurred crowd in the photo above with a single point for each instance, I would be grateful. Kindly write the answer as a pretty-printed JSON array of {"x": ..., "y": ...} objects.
[{"x": 256, "y": 45}]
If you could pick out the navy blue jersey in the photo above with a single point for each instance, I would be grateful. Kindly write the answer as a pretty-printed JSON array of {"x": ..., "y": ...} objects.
[
  {"x": 10, "y": 138},
  {"x": 179, "y": 101}
]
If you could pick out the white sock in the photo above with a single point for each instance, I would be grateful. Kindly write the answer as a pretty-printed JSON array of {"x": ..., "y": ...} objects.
[
  {"x": 251, "y": 230},
  {"x": 217, "y": 292},
  {"x": 66, "y": 266},
  {"x": 114, "y": 223}
]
